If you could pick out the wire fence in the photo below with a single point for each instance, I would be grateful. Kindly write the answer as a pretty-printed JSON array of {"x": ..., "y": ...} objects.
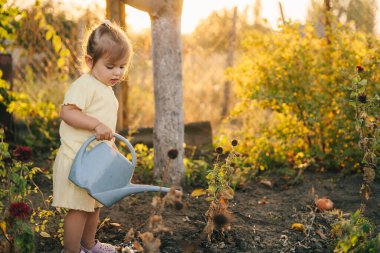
[{"x": 42, "y": 67}]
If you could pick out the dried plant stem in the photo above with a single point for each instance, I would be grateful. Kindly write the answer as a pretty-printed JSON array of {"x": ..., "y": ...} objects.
[{"x": 313, "y": 212}]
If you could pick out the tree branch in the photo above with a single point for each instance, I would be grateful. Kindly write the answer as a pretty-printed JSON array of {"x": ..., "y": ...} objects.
[{"x": 152, "y": 7}]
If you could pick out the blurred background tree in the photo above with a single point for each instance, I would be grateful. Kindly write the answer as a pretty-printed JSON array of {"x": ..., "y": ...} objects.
[{"x": 361, "y": 14}]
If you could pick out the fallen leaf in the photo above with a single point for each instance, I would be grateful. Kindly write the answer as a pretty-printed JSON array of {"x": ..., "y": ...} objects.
[
  {"x": 298, "y": 226},
  {"x": 103, "y": 222},
  {"x": 44, "y": 234},
  {"x": 127, "y": 249},
  {"x": 150, "y": 243},
  {"x": 130, "y": 235},
  {"x": 156, "y": 201},
  {"x": 137, "y": 246},
  {"x": 3, "y": 226},
  {"x": 266, "y": 182},
  {"x": 198, "y": 192},
  {"x": 321, "y": 234},
  {"x": 263, "y": 201}
]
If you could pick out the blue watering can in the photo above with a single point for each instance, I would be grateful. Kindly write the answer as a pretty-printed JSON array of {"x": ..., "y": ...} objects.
[{"x": 106, "y": 174}]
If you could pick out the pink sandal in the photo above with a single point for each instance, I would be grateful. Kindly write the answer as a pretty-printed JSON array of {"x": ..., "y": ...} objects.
[
  {"x": 81, "y": 251},
  {"x": 100, "y": 248}
]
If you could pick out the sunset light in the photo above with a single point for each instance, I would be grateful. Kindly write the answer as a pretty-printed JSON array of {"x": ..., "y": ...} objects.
[{"x": 196, "y": 10}]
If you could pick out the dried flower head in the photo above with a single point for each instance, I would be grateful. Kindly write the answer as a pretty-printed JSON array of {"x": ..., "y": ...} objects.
[
  {"x": 156, "y": 201},
  {"x": 154, "y": 221},
  {"x": 369, "y": 174},
  {"x": 172, "y": 197},
  {"x": 19, "y": 210},
  {"x": 150, "y": 243},
  {"x": 22, "y": 153},
  {"x": 178, "y": 205},
  {"x": 234, "y": 142},
  {"x": 219, "y": 150},
  {"x": 220, "y": 220},
  {"x": 173, "y": 153},
  {"x": 362, "y": 98},
  {"x": 360, "y": 69},
  {"x": 129, "y": 236},
  {"x": 156, "y": 224}
]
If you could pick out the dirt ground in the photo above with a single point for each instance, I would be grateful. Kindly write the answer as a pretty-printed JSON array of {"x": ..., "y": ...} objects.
[{"x": 263, "y": 216}]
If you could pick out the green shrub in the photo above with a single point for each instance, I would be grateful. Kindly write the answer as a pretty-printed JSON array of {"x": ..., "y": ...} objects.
[
  {"x": 292, "y": 109},
  {"x": 355, "y": 235}
]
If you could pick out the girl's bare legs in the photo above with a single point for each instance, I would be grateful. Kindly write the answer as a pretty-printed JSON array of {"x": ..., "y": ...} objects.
[
  {"x": 88, "y": 237},
  {"x": 75, "y": 221}
]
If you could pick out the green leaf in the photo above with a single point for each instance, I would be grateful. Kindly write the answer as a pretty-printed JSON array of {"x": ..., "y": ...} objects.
[
  {"x": 362, "y": 89},
  {"x": 209, "y": 175},
  {"x": 211, "y": 189},
  {"x": 354, "y": 240},
  {"x": 15, "y": 178},
  {"x": 363, "y": 82},
  {"x": 352, "y": 103}
]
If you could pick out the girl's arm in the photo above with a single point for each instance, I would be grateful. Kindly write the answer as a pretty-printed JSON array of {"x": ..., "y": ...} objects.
[{"x": 74, "y": 117}]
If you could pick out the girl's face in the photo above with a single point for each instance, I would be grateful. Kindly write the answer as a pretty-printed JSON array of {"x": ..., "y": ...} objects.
[{"x": 107, "y": 72}]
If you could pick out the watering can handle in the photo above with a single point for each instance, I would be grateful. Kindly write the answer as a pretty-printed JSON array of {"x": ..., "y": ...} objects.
[{"x": 82, "y": 149}]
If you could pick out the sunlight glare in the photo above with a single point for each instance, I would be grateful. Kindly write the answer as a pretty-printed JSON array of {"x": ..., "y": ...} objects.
[{"x": 196, "y": 10}]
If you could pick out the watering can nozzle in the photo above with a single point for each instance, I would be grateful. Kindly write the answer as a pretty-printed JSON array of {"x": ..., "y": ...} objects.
[{"x": 109, "y": 197}]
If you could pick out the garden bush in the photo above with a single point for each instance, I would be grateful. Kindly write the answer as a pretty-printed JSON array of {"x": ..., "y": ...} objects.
[{"x": 293, "y": 102}]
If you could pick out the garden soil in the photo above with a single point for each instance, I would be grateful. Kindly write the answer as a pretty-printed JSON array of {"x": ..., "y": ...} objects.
[{"x": 263, "y": 214}]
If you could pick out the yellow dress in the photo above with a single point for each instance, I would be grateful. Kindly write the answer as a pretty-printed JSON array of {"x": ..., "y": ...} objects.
[{"x": 97, "y": 100}]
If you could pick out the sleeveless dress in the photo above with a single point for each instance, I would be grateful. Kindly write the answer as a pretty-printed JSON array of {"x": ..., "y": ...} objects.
[{"x": 94, "y": 99}]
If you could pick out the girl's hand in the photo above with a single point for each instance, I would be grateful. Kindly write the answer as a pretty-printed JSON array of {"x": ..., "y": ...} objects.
[{"x": 103, "y": 132}]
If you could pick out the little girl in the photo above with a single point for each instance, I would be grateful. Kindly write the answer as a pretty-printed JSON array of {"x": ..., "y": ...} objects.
[{"x": 90, "y": 107}]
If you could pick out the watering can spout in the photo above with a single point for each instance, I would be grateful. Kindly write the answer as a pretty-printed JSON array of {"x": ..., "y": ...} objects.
[
  {"x": 109, "y": 197},
  {"x": 137, "y": 188}
]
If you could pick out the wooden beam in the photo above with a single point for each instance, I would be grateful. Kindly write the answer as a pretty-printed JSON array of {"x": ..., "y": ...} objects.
[
  {"x": 152, "y": 7},
  {"x": 115, "y": 11}
]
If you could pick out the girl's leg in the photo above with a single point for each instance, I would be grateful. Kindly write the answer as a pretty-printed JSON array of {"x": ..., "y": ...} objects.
[
  {"x": 88, "y": 236},
  {"x": 75, "y": 221}
]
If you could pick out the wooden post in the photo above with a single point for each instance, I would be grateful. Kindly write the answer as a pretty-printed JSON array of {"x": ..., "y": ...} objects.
[
  {"x": 165, "y": 16},
  {"x": 282, "y": 13},
  {"x": 167, "y": 77},
  {"x": 327, "y": 20},
  {"x": 115, "y": 11},
  {"x": 230, "y": 63}
]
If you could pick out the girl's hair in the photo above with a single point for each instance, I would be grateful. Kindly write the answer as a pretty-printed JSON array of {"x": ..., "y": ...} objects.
[{"x": 109, "y": 40}]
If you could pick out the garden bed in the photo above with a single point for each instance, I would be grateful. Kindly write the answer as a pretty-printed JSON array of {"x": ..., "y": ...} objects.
[{"x": 263, "y": 217}]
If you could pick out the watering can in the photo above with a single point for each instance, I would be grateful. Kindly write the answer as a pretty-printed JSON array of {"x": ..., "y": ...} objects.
[{"x": 106, "y": 174}]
